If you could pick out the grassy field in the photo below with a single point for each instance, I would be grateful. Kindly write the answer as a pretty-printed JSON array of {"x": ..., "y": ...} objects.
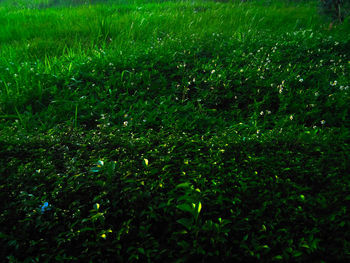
[{"x": 173, "y": 131}]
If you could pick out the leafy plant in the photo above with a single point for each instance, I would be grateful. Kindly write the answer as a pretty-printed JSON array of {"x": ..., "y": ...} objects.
[{"x": 153, "y": 131}]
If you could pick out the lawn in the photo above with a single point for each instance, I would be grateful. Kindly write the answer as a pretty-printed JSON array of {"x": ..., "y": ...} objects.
[{"x": 173, "y": 131}]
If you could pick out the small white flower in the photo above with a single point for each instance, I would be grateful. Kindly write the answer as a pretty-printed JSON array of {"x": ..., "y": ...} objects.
[
  {"x": 301, "y": 80},
  {"x": 262, "y": 113},
  {"x": 125, "y": 123},
  {"x": 291, "y": 117},
  {"x": 213, "y": 71},
  {"x": 323, "y": 122}
]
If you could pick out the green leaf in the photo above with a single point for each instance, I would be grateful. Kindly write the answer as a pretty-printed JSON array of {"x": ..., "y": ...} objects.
[
  {"x": 183, "y": 185},
  {"x": 185, "y": 208},
  {"x": 186, "y": 222},
  {"x": 305, "y": 246},
  {"x": 86, "y": 229},
  {"x": 297, "y": 254}
]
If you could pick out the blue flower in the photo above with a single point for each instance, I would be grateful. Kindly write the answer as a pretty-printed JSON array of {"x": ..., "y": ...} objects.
[
  {"x": 98, "y": 167},
  {"x": 45, "y": 207}
]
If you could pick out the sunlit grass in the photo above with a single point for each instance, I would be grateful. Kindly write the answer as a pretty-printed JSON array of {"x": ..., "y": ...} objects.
[{"x": 60, "y": 40}]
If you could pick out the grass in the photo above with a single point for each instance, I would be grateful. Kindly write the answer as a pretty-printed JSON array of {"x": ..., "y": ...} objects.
[{"x": 173, "y": 131}]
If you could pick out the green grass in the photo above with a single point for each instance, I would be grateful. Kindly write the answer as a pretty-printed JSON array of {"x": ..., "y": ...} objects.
[{"x": 191, "y": 131}]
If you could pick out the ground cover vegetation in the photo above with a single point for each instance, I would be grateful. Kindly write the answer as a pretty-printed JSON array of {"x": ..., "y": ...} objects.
[{"x": 192, "y": 131}]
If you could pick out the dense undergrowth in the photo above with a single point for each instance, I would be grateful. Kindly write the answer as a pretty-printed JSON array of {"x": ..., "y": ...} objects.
[{"x": 175, "y": 131}]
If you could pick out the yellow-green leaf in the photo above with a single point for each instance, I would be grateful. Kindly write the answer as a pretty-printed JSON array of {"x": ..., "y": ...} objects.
[{"x": 199, "y": 207}]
